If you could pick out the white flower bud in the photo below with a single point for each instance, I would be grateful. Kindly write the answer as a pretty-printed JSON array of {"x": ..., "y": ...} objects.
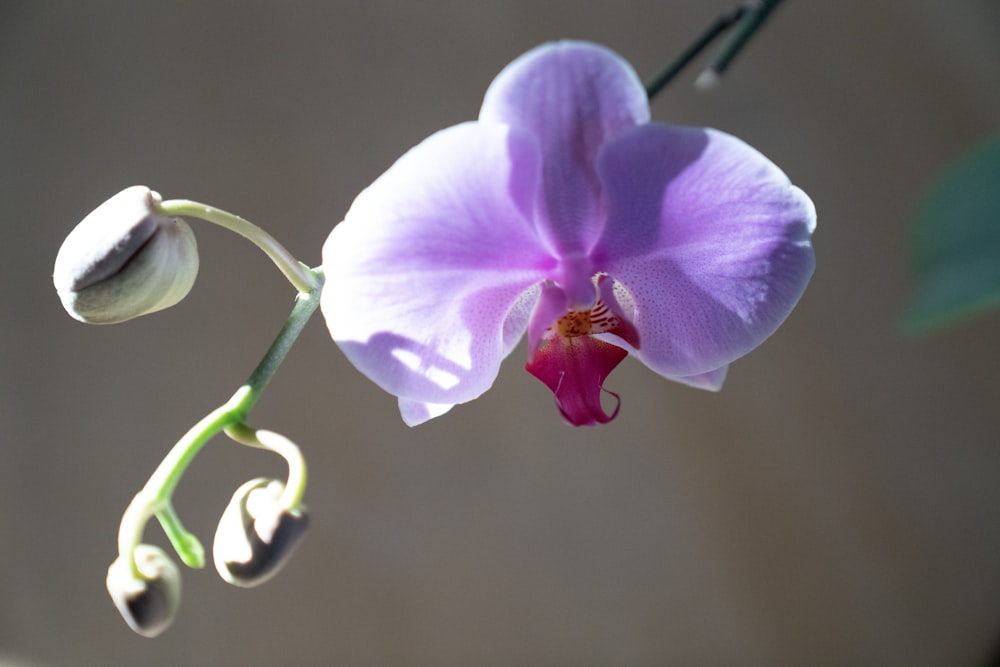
[
  {"x": 125, "y": 260},
  {"x": 256, "y": 536},
  {"x": 147, "y": 603}
]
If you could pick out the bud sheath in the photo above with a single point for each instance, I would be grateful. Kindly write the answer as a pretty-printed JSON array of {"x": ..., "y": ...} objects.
[
  {"x": 256, "y": 536},
  {"x": 148, "y": 602},
  {"x": 125, "y": 260}
]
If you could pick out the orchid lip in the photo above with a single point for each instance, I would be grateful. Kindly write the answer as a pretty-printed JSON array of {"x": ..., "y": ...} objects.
[
  {"x": 574, "y": 365},
  {"x": 574, "y": 369}
]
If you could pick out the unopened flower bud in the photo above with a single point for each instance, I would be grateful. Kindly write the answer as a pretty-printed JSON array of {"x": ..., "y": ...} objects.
[
  {"x": 147, "y": 602},
  {"x": 125, "y": 260},
  {"x": 256, "y": 535}
]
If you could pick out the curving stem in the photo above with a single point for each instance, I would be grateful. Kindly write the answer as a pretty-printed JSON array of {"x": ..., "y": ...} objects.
[
  {"x": 301, "y": 277},
  {"x": 155, "y": 497}
]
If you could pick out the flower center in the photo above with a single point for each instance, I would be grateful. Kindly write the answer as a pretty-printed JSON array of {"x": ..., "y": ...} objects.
[
  {"x": 574, "y": 323},
  {"x": 584, "y": 322},
  {"x": 573, "y": 363}
]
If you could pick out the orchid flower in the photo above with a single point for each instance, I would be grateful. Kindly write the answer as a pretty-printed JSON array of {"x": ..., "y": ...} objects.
[{"x": 564, "y": 213}]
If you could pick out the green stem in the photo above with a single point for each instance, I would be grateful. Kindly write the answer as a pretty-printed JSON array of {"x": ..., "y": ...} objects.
[
  {"x": 298, "y": 274},
  {"x": 154, "y": 498},
  {"x": 295, "y": 487},
  {"x": 185, "y": 543},
  {"x": 305, "y": 305}
]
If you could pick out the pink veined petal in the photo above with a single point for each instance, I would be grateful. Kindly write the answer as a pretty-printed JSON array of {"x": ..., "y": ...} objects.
[
  {"x": 575, "y": 370},
  {"x": 572, "y": 96},
  {"x": 625, "y": 333},
  {"x": 709, "y": 238},
  {"x": 426, "y": 278},
  {"x": 551, "y": 306}
]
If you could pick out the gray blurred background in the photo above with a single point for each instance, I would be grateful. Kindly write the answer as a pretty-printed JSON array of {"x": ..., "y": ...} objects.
[{"x": 838, "y": 503}]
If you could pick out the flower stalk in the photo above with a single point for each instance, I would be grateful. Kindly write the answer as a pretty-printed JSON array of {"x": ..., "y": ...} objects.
[
  {"x": 747, "y": 19},
  {"x": 300, "y": 276},
  {"x": 155, "y": 497},
  {"x": 295, "y": 487},
  {"x": 746, "y": 27}
]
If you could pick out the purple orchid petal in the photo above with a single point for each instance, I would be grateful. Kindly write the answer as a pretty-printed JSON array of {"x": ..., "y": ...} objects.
[
  {"x": 520, "y": 316},
  {"x": 575, "y": 370},
  {"x": 573, "y": 97},
  {"x": 415, "y": 413},
  {"x": 710, "y": 381},
  {"x": 426, "y": 278},
  {"x": 709, "y": 238},
  {"x": 699, "y": 246}
]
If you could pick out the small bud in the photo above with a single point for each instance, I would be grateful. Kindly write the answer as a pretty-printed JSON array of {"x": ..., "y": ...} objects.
[
  {"x": 125, "y": 260},
  {"x": 256, "y": 536},
  {"x": 147, "y": 603}
]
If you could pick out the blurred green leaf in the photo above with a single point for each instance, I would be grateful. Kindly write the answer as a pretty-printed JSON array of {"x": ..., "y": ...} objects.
[{"x": 955, "y": 242}]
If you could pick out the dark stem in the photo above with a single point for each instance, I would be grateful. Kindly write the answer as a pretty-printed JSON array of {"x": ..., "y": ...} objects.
[
  {"x": 741, "y": 35},
  {"x": 749, "y": 16}
]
